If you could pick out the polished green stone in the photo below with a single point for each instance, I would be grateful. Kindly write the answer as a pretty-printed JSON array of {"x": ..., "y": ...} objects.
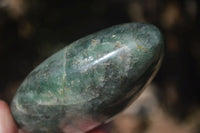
[{"x": 89, "y": 81}]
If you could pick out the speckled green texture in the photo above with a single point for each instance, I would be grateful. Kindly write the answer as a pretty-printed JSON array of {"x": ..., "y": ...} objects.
[{"x": 90, "y": 80}]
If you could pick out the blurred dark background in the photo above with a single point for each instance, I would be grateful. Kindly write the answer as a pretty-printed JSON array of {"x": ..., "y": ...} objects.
[{"x": 32, "y": 30}]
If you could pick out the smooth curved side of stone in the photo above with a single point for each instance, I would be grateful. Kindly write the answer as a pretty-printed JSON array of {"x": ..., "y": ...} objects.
[{"x": 92, "y": 79}]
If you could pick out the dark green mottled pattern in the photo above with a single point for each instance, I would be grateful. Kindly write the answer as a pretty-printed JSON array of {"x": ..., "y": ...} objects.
[{"x": 93, "y": 78}]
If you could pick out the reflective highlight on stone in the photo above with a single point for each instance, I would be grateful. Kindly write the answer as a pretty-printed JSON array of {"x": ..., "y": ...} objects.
[{"x": 89, "y": 81}]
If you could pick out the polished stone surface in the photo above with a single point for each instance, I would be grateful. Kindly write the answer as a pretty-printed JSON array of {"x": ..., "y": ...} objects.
[{"x": 89, "y": 81}]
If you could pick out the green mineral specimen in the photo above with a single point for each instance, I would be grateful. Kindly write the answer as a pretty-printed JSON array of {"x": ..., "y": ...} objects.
[{"x": 89, "y": 81}]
